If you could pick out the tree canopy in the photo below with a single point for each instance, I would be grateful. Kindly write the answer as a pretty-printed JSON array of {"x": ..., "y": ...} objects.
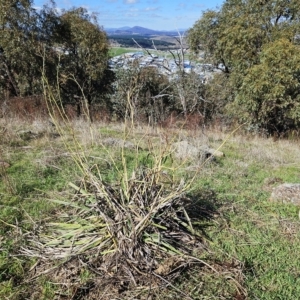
[
  {"x": 257, "y": 41},
  {"x": 84, "y": 58},
  {"x": 69, "y": 46},
  {"x": 18, "y": 37}
]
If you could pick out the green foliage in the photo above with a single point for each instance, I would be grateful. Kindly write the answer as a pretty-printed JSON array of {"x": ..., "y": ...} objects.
[
  {"x": 18, "y": 45},
  {"x": 269, "y": 95},
  {"x": 256, "y": 41},
  {"x": 144, "y": 92},
  {"x": 188, "y": 91},
  {"x": 35, "y": 42},
  {"x": 217, "y": 93},
  {"x": 83, "y": 69}
]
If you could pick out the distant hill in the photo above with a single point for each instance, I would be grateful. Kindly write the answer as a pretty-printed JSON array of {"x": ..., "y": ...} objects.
[
  {"x": 114, "y": 29},
  {"x": 141, "y": 31},
  {"x": 124, "y": 28}
]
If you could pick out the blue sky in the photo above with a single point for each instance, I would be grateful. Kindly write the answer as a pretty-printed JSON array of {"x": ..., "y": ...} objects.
[{"x": 153, "y": 14}]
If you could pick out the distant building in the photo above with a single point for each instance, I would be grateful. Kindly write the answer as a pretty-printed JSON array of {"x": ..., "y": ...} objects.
[{"x": 138, "y": 54}]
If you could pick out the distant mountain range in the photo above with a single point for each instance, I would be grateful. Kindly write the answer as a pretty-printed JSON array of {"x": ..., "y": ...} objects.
[{"x": 140, "y": 30}]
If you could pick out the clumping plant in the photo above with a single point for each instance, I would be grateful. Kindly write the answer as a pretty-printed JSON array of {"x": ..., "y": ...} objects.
[{"x": 134, "y": 228}]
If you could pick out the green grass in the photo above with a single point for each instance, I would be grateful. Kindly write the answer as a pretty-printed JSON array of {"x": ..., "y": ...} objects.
[
  {"x": 253, "y": 244},
  {"x": 115, "y": 51},
  {"x": 25, "y": 189},
  {"x": 264, "y": 236}
]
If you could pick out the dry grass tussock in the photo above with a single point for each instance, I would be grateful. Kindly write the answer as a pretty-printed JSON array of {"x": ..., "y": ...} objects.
[
  {"x": 258, "y": 149},
  {"x": 134, "y": 230},
  {"x": 268, "y": 151}
]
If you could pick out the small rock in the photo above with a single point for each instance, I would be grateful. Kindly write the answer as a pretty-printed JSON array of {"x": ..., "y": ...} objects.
[
  {"x": 4, "y": 164},
  {"x": 241, "y": 164},
  {"x": 286, "y": 193},
  {"x": 184, "y": 150},
  {"x": 27, "y": 135}
]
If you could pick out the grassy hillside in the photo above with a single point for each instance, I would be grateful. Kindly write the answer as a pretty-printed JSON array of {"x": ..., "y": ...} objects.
[
  {"x": 249, "y": 246},
  {"x": 119, "y": 51}
]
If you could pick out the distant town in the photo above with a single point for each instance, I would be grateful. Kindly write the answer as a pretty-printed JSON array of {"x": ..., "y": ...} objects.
[
  {"x": 167, "y": 59},
  {"x": 164, "y": 64}
]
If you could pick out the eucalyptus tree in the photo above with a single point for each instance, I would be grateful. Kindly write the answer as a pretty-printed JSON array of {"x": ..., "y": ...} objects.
[
  {"x": 18, "y": 62},
  {"x": 142, "y": 94},
  {"x": 69, "y": 48},
  {"x": 257, "y": 42},
  {"x": 83, "y": 58}
]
